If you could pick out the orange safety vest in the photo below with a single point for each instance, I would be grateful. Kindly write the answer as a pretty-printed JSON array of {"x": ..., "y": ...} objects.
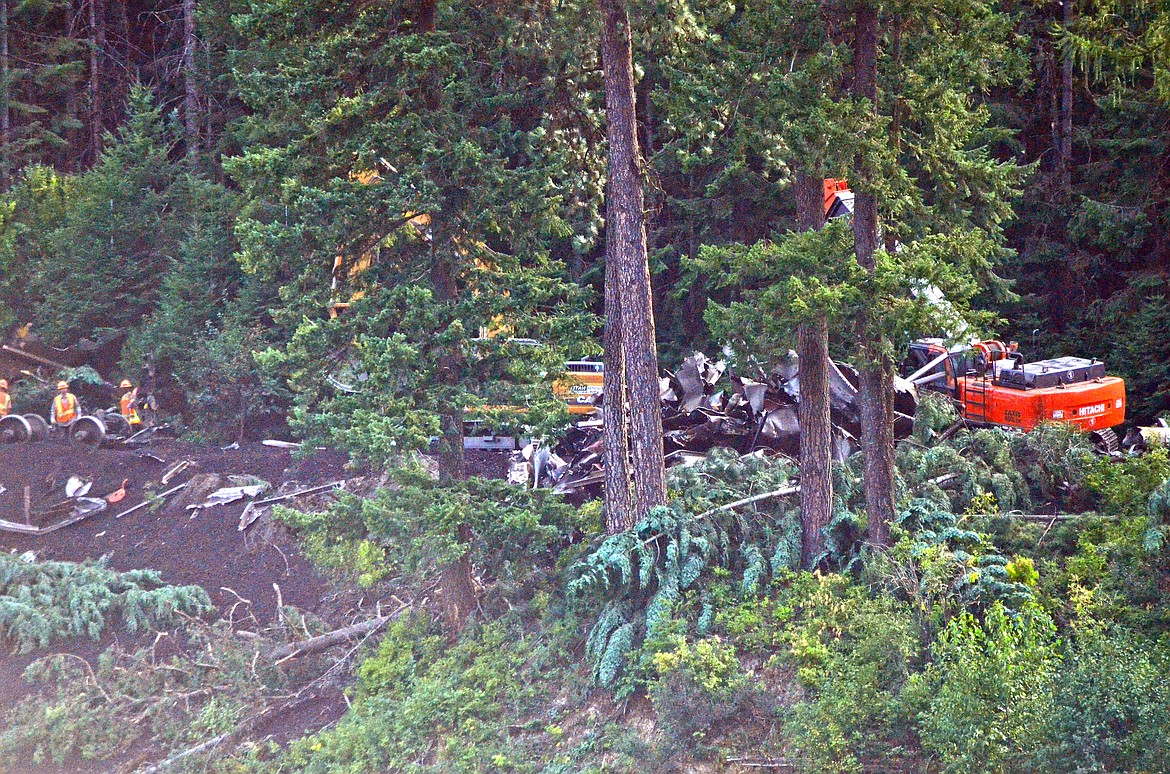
[
  {"x": 5, "y": 404},
  {"x": 128, "y": 410},
  {"x": 65, "y": 408}
]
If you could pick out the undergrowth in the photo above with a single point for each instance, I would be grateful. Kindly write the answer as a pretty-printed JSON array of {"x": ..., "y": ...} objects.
[{"x": 42, "y": 602}]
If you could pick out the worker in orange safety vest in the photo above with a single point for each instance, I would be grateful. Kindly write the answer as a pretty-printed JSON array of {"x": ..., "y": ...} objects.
[
  {"x": 65, "y": 408},
  {"x": 129, "y": 403},
  {"x": 5, "y": 399}
]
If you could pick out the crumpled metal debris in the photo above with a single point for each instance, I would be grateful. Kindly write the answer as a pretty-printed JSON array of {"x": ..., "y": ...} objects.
[
  {"x": 75, "y": 487},
  {"x": 701, "y": 410},
  {"x": 1140, "y": 439},
  {"x": 229, "y": 494}
]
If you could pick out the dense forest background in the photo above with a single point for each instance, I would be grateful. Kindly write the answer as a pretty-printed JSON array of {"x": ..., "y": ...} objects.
[
  {"x": 361, "y": 223},
  {"x": 184, "y": 176}
]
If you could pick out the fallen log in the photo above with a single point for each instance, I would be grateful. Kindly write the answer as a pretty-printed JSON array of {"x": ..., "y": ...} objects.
[
  {"x": 239, "y": 731},
  {"x": 784, "y": 491},
  {"x": 333, "y": 638},
  {"x": 1045, "y": 516},
  {"x": 34, "y": 358}
]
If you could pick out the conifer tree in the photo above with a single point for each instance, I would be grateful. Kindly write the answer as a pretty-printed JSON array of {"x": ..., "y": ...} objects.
[
  {"x": 637, "y": 359},
  {"x": 105, "y": 258},
  {"x": 415, "y": 187}
]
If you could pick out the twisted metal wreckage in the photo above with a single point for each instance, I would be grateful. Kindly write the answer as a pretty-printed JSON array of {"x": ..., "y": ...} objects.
[{"x": 701, "y": 411}]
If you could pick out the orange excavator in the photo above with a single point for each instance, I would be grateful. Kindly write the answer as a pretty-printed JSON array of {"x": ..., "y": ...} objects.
[{"x": 993, "y": 386}]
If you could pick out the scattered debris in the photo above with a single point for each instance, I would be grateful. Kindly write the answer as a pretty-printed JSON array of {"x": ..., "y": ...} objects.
[
  {"x": 176, "y": 470},
  {"x": 75, "y": 487},
  {"x": 229, "y": 494},
  {"x": 702, "y": 411},
  {"x": 281, "y": 444},
  {"x": 257, "y": 508},
  {"x": 1140, "y": 439},
  {"x": 79, "y": 509},
  {"x": 147, "y": 502}
]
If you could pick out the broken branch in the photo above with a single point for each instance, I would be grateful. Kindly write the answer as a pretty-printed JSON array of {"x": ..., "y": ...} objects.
[
  {"x": 782, "y": 492},
  {"x": 335, "y": 637}
]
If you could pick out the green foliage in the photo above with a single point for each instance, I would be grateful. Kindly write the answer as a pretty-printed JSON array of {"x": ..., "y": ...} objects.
[
  {"x": 425, "y": 704},
  {"x": 695, "y": 687},
  {"x": 419, "y": 164},
  {"x": 138, "y": 249},
  {"x": 839, "y": 657},
  {"x": 415, "y": 527},
  {"x": 643, "y": 572},
  {"x": 42, "y": 602},
  {"x": 986, "y": 701},
  {"x": 1112, "y": 704},
  {"x": 944, "y": 570},
  {"x": 799, "y": 278},
  {"x": 117, "y": 234},
  {"x": 1119, "y": 568},
  {"x": 151, "y": 700},
  {"x": 935, "y": 413}
]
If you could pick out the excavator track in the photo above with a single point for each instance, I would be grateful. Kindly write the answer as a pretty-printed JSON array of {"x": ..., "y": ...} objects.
[{"x": 1106, "y": 440}]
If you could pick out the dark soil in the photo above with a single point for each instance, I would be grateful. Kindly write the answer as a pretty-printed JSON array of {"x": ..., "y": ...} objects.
[{"x": 201, "y": 547}]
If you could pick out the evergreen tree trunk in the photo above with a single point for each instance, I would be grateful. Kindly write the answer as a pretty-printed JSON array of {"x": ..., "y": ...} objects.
[
  {"x": 1064, "y": 138},
  {"x": 619, "y": 509},
  {"x": 626, "y": 229},
  {"x": 876, "y": 389},
  {"x": 97, "y": 45},
  {"x": 816, "y": 439},
  {"x": 191, "y": 101},
  {"x": 456, "y": 586},
  {"x": 67, "y": 161},
  {"x": 5, "y": 99}
]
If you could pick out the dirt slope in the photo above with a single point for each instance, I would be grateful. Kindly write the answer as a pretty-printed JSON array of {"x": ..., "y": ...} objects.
[
  {"x": 200, "y": 547},
  {"x": 197, "y": 547}
]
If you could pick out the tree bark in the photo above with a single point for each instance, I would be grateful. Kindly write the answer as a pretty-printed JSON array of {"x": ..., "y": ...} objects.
[
  {"x": 619, "y": 508},
  {"x": 626, "y": 229},
  {"x": 816, "y": 439},
  {"x": 1064, "y": 137},
  {"x": 67, "y": 160},
  {"x": 192, "y": 110},
  {"x": 5, "y": 100},
  {"x": 97, "y": 45},
  {"x": 456, "y": 586},
  {"x": 876, "y": 373}
]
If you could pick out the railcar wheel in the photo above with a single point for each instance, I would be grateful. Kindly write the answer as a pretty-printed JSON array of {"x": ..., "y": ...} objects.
[
  {"x": 14, "y": 429},
  {"x": 40, "y": 427},
  {"x": 88, "y": 430}
]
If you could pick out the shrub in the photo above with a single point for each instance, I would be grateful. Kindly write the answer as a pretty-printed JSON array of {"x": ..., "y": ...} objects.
[
  {"x": 1112, "y": 705},
  {"x": 698, "y": 686},
  {"x": 986, "y": 702},
  {"x": 853, "y": 654}
]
